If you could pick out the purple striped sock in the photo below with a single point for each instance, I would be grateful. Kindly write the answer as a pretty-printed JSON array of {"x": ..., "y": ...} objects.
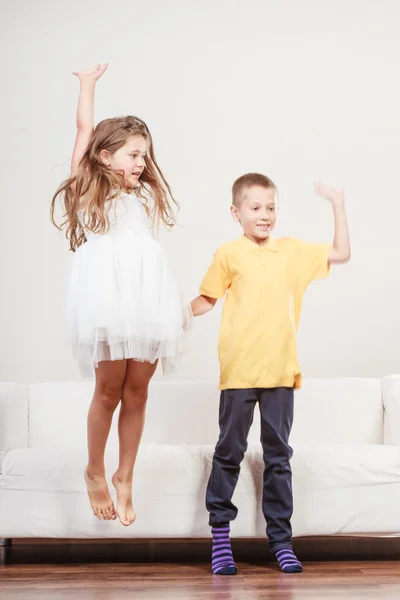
[
  {"x": 222, "y": 562},
  {"x": 288, "y": 561}
]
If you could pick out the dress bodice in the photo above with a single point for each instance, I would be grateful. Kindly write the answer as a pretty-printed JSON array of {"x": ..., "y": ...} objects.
[{"x": 126, "y": 214}]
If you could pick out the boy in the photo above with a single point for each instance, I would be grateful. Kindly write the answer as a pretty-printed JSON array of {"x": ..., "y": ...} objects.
[{"x": 265, "y": 279}]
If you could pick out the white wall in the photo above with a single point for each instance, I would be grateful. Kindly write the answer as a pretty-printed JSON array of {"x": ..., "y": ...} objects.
[{"x": 297, "y": 90}]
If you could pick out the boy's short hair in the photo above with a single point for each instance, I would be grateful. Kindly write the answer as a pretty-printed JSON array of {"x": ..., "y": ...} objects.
[{"x": 247, "y": 181}]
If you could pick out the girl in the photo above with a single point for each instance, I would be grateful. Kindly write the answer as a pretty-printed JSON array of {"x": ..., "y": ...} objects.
[{"x": 124, "y": 310}]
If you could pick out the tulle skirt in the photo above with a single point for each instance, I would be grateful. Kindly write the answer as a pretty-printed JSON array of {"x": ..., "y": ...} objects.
[{"x": 123, "y": 303}]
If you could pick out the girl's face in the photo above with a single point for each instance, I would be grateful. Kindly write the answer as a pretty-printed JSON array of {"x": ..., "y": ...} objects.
[
  {"x": 257, "y": 213},
  {"x": 130, "y": 158}
]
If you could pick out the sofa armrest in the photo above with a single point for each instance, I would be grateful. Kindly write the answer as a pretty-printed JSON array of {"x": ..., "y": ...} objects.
[
  {"x": 391, "y": 405},
  {"x": 13, "y": 417}
]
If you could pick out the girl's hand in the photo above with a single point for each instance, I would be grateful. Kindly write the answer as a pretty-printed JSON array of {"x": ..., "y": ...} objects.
[
  {"x": 92, "y": 74},
  {"x": 187, "y": 318},
  {"x": 334, "y": 196}
]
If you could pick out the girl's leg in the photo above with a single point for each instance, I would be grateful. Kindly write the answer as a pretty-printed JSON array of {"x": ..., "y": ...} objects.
[
  {"x": 130, "y": 427},
  {"x": 110, "y": 377}
]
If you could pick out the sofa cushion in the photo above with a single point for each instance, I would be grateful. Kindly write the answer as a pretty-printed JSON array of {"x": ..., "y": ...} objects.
[
  {"x": 182, "y": 467},
  {"x": 337, "y": 489}
]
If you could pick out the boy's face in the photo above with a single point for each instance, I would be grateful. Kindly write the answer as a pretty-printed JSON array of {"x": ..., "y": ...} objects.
[{"x": 256, "y": 213}]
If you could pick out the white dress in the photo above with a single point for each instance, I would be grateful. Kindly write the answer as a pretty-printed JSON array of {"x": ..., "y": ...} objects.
[{"x": 123, "y": 301}]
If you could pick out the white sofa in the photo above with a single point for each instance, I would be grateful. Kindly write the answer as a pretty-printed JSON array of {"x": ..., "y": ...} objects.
[{"x": 346, "y": 463}]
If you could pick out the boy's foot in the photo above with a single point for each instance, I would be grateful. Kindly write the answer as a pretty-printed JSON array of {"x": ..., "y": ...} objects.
[
  {"x": 288, "y": 561},
  {"x": 222, "y": 562},
  {"x": 99, "y": 496},
  {"x": 125, "y": 511}
]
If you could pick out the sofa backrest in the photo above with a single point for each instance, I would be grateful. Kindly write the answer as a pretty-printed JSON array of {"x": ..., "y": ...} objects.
[
  {"x": 391, "y": 399},
  {"x": 13, "y": 417},
  {"x": 345, "y": 410}
]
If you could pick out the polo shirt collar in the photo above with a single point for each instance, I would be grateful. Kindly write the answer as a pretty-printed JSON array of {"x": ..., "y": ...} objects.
[{"x": 272, "y": 245}]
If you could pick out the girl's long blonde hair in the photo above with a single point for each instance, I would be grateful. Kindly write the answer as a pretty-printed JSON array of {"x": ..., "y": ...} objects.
[{"x": 97, "y": 183}]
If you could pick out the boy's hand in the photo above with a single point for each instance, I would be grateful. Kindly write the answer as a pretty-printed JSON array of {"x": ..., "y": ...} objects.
[
  {"x": 334, "y": 196},
  {"x": 92, "y": 74}
]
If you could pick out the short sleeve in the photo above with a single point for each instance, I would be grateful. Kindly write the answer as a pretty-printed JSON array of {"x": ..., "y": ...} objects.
[
  {"x": 217, "y": 279},
  {"x": 313, "y": 261}
]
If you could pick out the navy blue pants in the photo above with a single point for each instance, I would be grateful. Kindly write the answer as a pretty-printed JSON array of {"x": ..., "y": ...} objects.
[{"x": 236, "y": 412}]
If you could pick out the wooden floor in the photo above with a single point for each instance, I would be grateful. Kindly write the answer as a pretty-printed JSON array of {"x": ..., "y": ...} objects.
[{"x": 122, "y": 571}]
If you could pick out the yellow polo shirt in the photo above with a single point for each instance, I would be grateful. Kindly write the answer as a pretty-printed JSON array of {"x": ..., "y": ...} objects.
[{"x": 265, "y": 286}]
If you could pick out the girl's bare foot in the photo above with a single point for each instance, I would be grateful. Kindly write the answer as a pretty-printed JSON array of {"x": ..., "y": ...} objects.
[
  {"x": 125, "y": 509},
  {"x": 99, "y": 496}
]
